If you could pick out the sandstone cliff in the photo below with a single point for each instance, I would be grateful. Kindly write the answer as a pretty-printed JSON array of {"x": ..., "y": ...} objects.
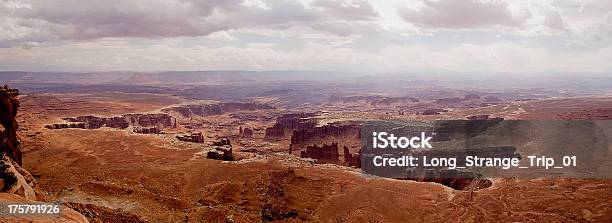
[
  {"x": 187, "y": 111},
  {"x": 338, "y": 143},
  {"x": 9, "y": 143},
  {"x": 13, "y": 178},
  {"x": 120, "y": 122},
  {"x": 287, "y": 123},
  {"x": 16, "y": 183}
]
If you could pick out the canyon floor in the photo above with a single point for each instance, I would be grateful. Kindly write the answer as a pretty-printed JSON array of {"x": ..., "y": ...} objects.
[{"x": 113, "y": 175}]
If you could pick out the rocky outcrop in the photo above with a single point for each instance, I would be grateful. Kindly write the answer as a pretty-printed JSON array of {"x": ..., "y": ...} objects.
[
  {"x": 17, "y": 185},
  {"x": 270, "y": 213},
  {"x": 160, "y": 120},
  {"x": 337, "y": 143},
  {"x": 145, "y": 130},
  {"x": 287, "y": 123},
  {"x": 223, "y": 150},
  {"x": 433, "y": 111},
  {"x": 325, "y": 153},
  {"x": 374, "y": 100},
  {"x": 482, "y": 117},
  {"x": 74, "y": 125},
  {"x": 352, "y": 160},
  {"x": 187, "y": 111},
  {"x": 245, "y": 132},
  {"x": 13, "y": 178},
  {"x": 93, "y": 122},
  {"x": 9, "y": 142},
  {"x": 120, "y": 122},
  {"x": 333, "y": 129},
  {"x": 330, "y": 154},
  {"x": 194, "y": 138}
]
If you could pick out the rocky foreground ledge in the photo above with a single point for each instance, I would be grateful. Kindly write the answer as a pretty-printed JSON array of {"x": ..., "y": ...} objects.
[{"x": 17, "y": 185}]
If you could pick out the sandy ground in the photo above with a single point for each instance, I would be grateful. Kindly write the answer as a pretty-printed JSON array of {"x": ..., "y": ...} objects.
[{"x": 121, "y": 175}]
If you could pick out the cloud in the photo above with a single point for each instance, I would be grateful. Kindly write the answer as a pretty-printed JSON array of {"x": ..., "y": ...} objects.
[
  {"x": 423, "y": 35},
  {"x": 43, "y": 20},
  {"x": 554, "y": 20},
  {"x": 455, "y": 14}
]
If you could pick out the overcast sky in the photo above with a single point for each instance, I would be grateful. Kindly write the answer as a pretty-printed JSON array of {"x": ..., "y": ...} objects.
[{"x": 489, "y": 36}]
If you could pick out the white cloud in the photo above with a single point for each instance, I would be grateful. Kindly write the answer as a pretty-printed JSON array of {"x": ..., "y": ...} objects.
[
  {"x": 504, "y": 36},
  {"x": 463, "y": 14}
]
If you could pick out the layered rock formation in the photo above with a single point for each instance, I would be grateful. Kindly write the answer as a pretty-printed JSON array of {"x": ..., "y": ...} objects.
[
  {"x": 374, "y": 100},
  {"x": 245, "y": 132},
  {"x": 287, "y": 123},
  {"x": 149, "y": 120},
  {"x": 9, "y": 142},
  {"x": 330, "y": 154},
  {"x": 145, "y": 130},
  {"x": 17, "y": 184},
  {"x": 194, "y": 138},
  {"x": 337, "y": 143},
  {"x": 324, "y": 154},
  {"x": 75, "y": 125},
  {"x": 333, "y": 129},
  {"x": 433, "y": 111},
  {"x": 481, "y": 117},
  {"x": 187, "y": 111},
  {"x": 223, "y": 150},
  {"x": 352, "y": 160},
  {"x": 13, "y": 178},
  {"x": 121, "y": 122}
]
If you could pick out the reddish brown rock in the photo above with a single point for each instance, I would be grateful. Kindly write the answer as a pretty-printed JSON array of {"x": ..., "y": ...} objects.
[
  {"x": 287, "y": 123},
  {"x": 194, "y": 138},
  {"x": 246, "y": 132},
  {"x": 9, "y": 142},
  {"x": 121, "y": 122},
  {"x": 333, "y": 129},
  {"x": 374, "y": 100},
  {"x": 482, "y": 117},
  {"x": 323, "y": 154},
  {"x": 223, "y": 150},
  {"x": 74, "y": 125},
  {"x": 216, "y": 109},
  {"x": 345, "y": 137},
  {"x": 145, "y": 130},
  {"x": 352, "y": 160},
  {"x": 434, "y": 111},
  {"x": 13, "y": 178},
  {"x": 149, "y": 120}
]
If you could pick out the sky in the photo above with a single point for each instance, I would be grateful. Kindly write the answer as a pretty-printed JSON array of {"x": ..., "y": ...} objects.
[{"x": 442, "y": 36}]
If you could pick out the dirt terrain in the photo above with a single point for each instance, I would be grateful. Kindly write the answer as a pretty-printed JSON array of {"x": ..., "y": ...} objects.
[{"x": 114, "y": 175}]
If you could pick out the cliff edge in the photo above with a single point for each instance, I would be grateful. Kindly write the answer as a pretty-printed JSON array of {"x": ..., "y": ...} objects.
[{"x": 17, "y": 185}]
